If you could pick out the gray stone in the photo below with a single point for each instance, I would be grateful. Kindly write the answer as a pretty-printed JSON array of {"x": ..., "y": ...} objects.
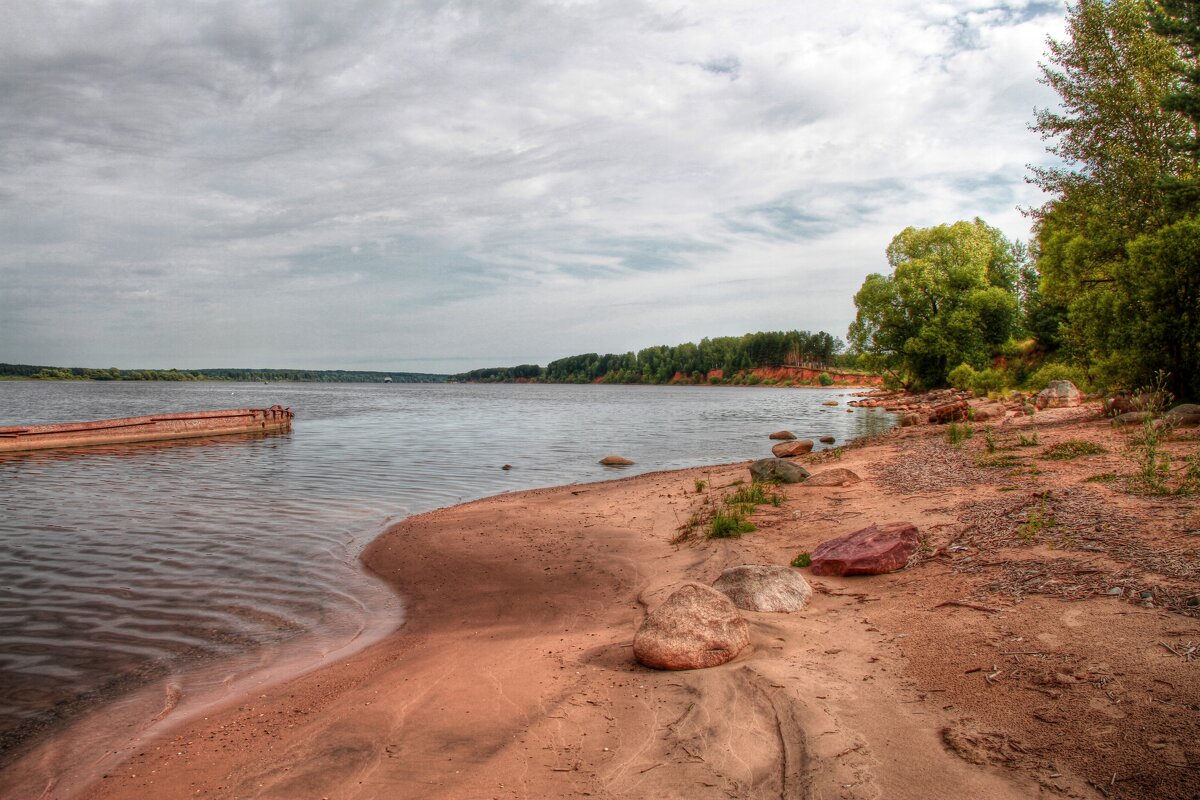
[
  {"x": 777, "y": 469},
  {"x": 766, "y": 587},
  {"x": 1059, "y": 394},
  {"x": 1184, "y": 415},
  {"x": 694, "y": 628},
  {"x": 1132, "y": 418}
]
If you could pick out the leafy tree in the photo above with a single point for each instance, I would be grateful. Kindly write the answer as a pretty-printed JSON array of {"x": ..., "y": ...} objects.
[
  {"x": 951, "y": 299},
  {"x": 1178, "y": 21},
  {"x": 1126, "y": 136}
]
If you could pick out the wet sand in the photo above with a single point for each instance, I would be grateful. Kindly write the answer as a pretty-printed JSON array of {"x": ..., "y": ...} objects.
[{"x": 997, "y": 666}]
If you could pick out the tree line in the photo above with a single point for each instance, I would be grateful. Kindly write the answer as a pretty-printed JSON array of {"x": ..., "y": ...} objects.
[
  {"x": 690, "y": 362},
  {"x": 33, "y": 372},
  {"x": 1108, "y": 290}
]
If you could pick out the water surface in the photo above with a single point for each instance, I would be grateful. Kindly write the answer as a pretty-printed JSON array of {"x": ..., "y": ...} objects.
[{"x": 121, "y": 566}]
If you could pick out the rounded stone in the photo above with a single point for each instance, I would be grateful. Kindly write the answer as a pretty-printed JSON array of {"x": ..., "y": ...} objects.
[
  {"x": 764, "y": 587},
  {"x": 694, "y": 628},
  {"x": 777, "y": 469}
]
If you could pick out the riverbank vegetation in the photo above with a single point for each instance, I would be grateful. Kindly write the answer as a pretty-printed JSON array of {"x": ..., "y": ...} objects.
[
  {"x": 768, "y": 357},
  {"x": 1107, "y": 294}
]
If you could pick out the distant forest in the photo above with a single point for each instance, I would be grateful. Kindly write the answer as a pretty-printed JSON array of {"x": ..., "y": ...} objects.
[
  {"x": 732, "y": 356},
  {"x": 33, "y": 372}
]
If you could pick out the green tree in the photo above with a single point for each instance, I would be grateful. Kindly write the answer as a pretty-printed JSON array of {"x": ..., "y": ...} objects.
[
  {"x": 1178, "y": 21},
  {"x": 951, "y": 299},
  {"x": 1122, "y": 135}
]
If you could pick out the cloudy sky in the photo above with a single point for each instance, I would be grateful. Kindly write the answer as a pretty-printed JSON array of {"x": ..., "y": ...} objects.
[{"x": 438, "y": 186}]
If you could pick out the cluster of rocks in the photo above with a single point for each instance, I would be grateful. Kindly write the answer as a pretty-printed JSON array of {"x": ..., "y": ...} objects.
[
  {"x": 940, "y": 405},
  {"x": 700, "y": 626},
  {"x": 1184, "y": 415},
  {"x": 952, "y": 405}
]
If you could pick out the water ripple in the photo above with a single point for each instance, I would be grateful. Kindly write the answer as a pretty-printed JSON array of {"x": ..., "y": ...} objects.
[{"x": 124, "y": 564}]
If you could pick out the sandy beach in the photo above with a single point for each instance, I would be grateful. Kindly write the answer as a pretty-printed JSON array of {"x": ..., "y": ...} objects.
[{"x": 1002, "y": 663}]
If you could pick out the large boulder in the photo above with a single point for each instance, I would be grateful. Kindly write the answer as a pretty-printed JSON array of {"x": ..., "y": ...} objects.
[
  {"x": 615, "y": 461},
  {"x": 838, "y": 476},
  {"x": 777, "y": 469},
  {"x": 870, "y": 551},
  {"x": 1184, "y": 415},
  {"x": 986, "y": 411},
  {"x": 695, "y": 627},
  {"x": 785, "y": 435},
  {"x": 766, "y": 587},
  {"x": 792, "y": 449},
  {"x": 1059, "y": 394}
]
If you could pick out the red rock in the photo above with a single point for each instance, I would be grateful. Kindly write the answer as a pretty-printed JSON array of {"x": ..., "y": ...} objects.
[
  {"x": 695, "y": 627},
  {"x": 785, "y": 435},
  {"x": 792, "y": 449},
  {"x": 870, "y": 551},
  {"x": 615, "y": 461}
]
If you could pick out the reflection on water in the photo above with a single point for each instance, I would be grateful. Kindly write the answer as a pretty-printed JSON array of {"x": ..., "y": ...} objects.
[{"x": 121, "y": 565}]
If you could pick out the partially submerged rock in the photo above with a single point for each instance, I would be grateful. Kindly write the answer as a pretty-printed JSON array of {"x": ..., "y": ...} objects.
[
  {"x": 827, "y": 440},
  {"x": 1059, "y": 394},
  {"x": 792, "y": 449},
  {"x": 838, "y": 476},
  {"x": 616, "y": 461},
  {"x": 777, "y": 469},
  {"x": 785, "y": 435},
  {"x": 695, "y": 627},
  {"x": 764, "y": 587},
  {"x": 870, "y": 551}
]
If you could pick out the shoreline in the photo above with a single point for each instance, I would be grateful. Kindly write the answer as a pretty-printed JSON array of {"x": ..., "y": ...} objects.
[{"x": 512, "y": 675}]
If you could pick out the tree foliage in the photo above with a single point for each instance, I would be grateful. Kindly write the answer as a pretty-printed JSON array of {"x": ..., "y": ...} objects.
[
  {"x": 1111, "y": 245},
  {"x": 951, "y": 299},
  {"x": 690, "y": 362}
]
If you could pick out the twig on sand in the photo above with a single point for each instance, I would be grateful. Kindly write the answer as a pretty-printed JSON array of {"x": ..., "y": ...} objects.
[
  {"x": 968, "y": 604},
  {"x": 1187, "y": 654}
]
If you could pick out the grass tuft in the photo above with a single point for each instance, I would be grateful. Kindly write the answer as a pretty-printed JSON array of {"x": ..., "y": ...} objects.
[{"x": 1072, "y": 448}]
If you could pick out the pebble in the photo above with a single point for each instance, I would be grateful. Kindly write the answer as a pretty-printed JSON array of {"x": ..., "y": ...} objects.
[{"x": 1116, "y": 591}]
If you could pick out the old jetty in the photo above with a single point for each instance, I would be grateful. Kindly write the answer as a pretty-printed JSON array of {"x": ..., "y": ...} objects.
[{"x": 189, "y": 425}]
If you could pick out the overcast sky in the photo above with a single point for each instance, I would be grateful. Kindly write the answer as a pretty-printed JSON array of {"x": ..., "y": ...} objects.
[{"x": 439, "y": 186}]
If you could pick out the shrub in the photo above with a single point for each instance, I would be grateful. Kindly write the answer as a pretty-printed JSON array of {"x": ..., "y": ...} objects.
[
  {"x": 962, "y": 376},
  {"x": 957, "y": 434},
  {"x": 729, "y": 523},
  {"x": 1072, "y": 448},
  {"x": 825, "y": 379},
  {"x": 989, "y": 380},
  {"x": 801, "y": 561}
]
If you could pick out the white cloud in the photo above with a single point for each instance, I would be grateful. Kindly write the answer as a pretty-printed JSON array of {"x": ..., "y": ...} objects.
[{"x": 307, "y": 184}]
